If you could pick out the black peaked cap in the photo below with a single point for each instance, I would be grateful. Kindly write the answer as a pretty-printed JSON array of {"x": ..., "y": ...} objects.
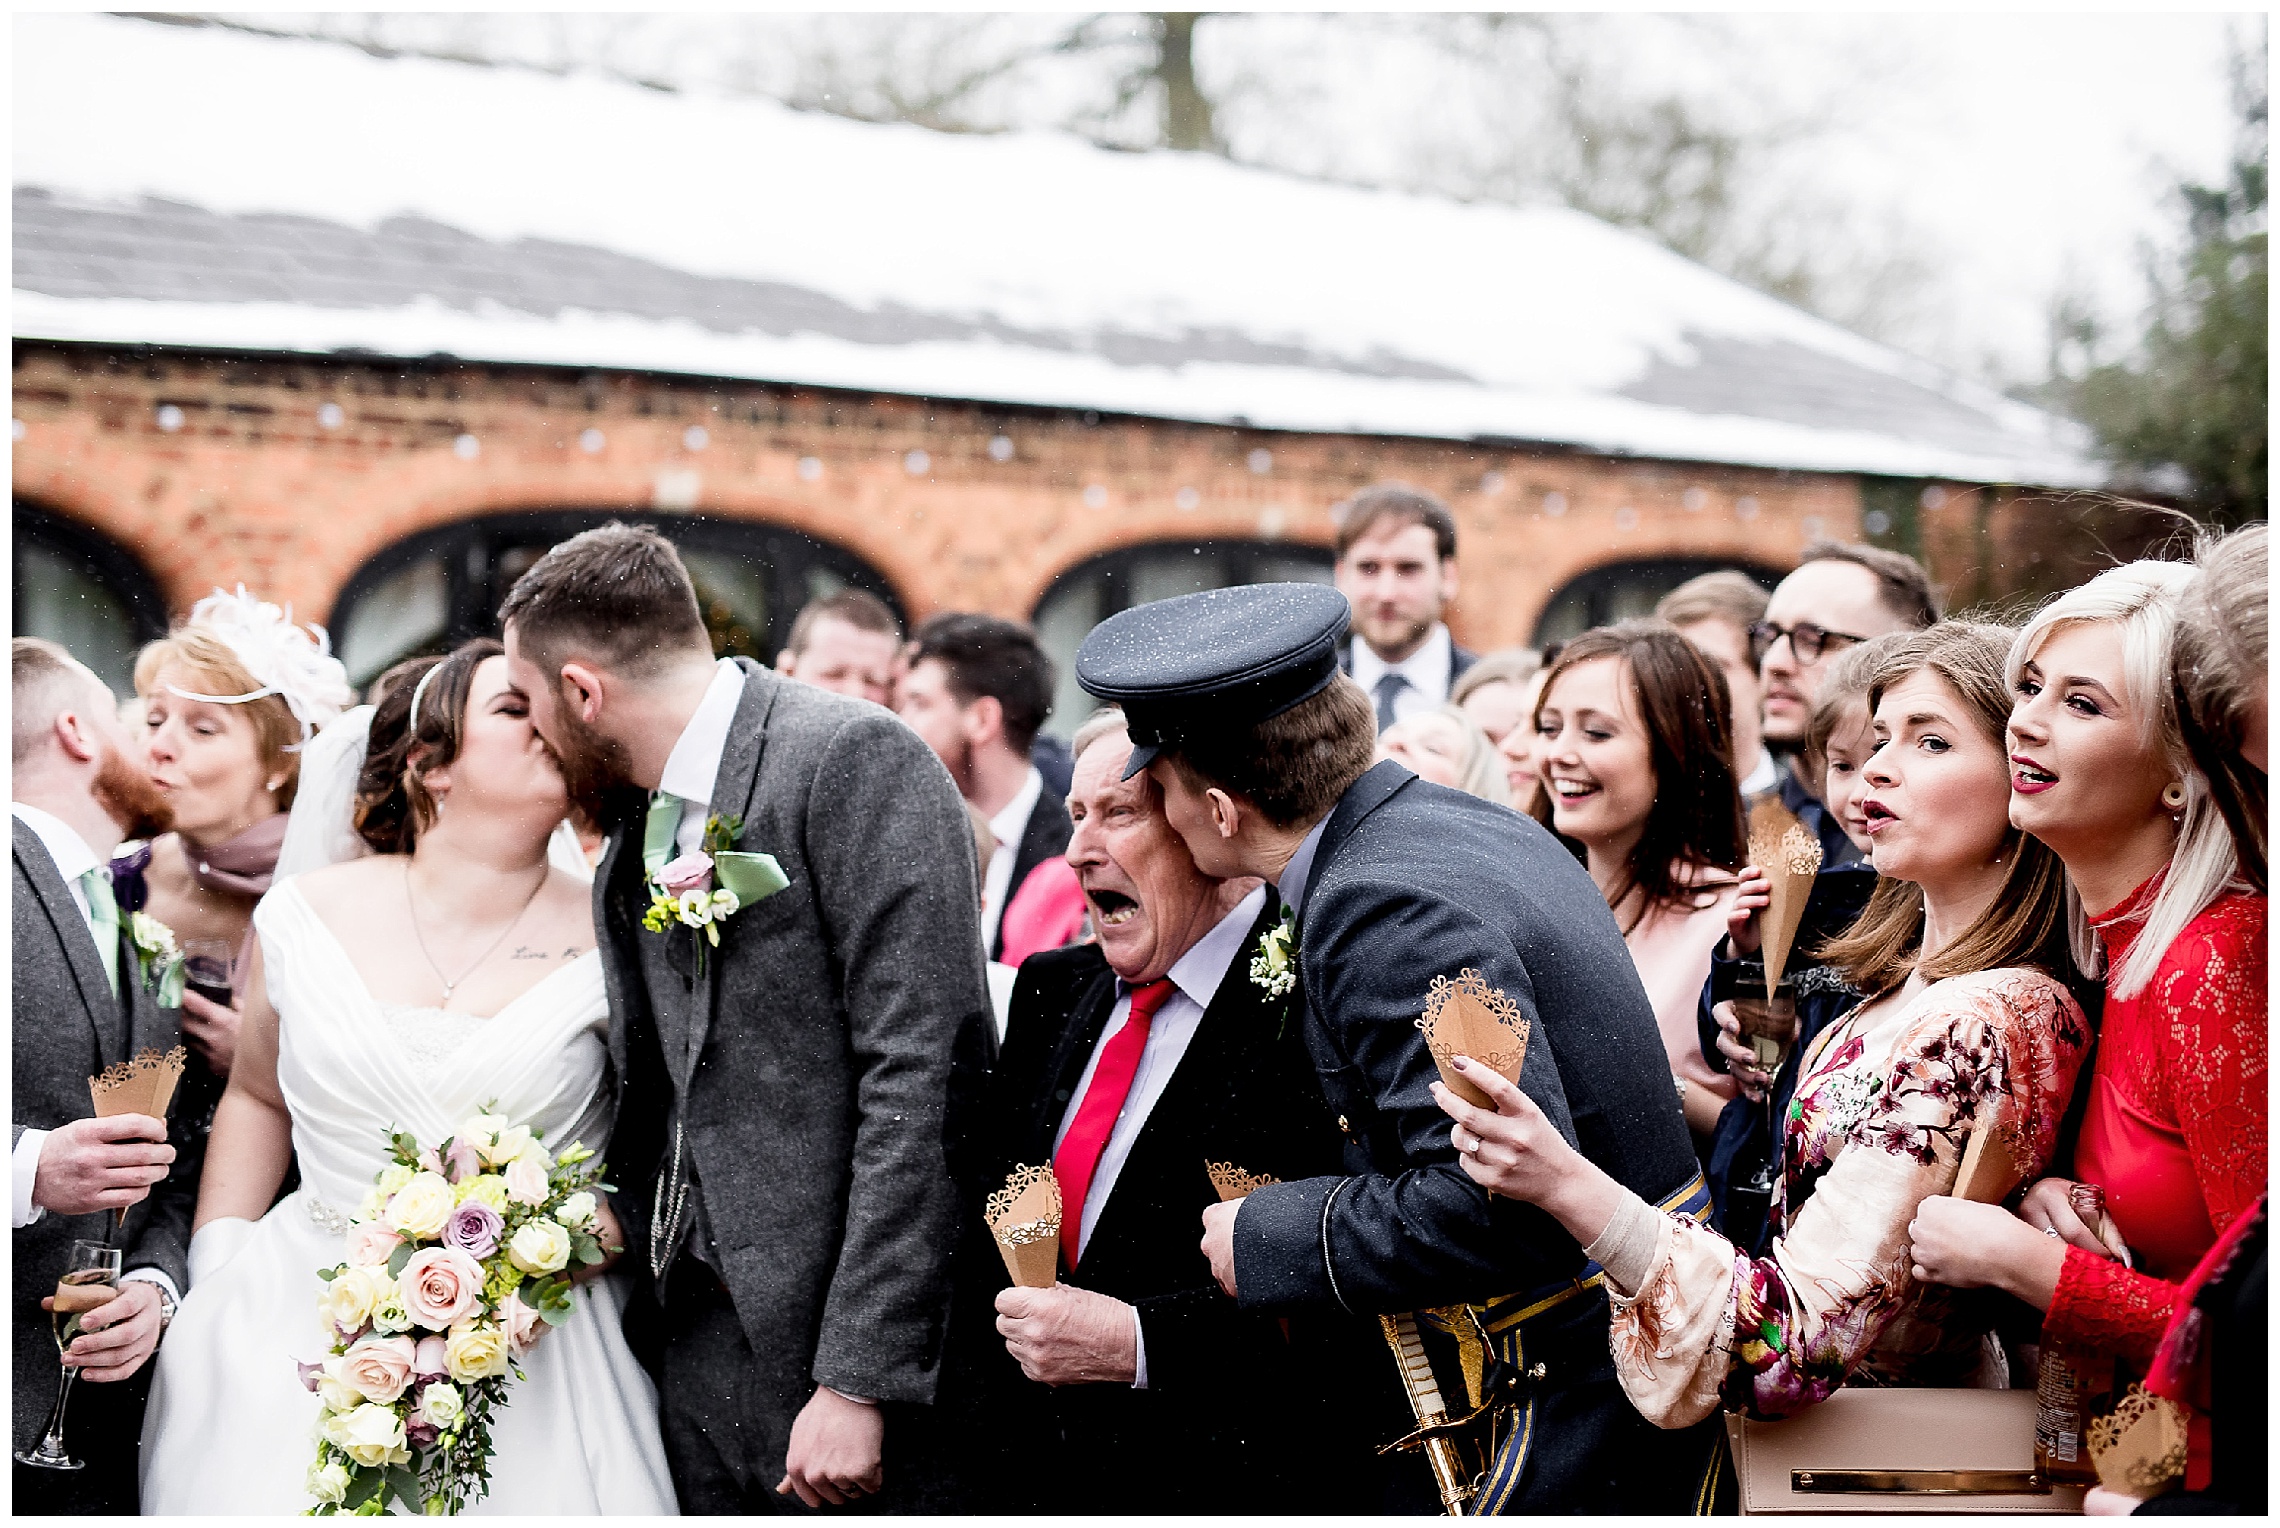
[{"x": 1224, "y": 658}]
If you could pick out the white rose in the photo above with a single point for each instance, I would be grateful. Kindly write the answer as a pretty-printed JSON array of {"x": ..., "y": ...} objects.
[
  {"x": 540, "y": 1246},
  {"x": 371, "y": 1435},
  {"x": 526, "y": 1181},
  {"x": 337, "y": 1394},
  {"x": 577, "y": 1210},
  {"x": 328, "y": 1482},
  {"x": 481, "y": 1130},
  {"x": 347, "y": 1299},
  {"x": 421, "y": 1206},
  {"x": 508, "y": 1144},
  {"x": 475, "y": 1351},
  {"x": 441, "y": 1406}
]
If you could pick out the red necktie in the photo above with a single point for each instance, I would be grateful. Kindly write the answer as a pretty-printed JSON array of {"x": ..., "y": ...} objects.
[{"x": 1088, "y": 1133}]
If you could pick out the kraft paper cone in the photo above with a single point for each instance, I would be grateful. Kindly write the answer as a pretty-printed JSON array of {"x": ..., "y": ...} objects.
[
  {"x": 2139, "y": 1446},
  {"x": 1233, "y": 1183},
  {"x": 1790, "y": 856},
  {"x": 1994, "y": 1163},
  {"x": 144, "y": 1085},
  {"x": 1468, "y": 1017},
  {"x": 1025, "y": 1221}
]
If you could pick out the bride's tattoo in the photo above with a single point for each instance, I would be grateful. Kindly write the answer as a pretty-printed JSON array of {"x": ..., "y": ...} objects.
[{"x": 525, "y": 952}]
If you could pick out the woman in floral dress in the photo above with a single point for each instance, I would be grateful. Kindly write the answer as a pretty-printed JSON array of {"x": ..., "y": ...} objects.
[{"x": 1969, "y": 1026}]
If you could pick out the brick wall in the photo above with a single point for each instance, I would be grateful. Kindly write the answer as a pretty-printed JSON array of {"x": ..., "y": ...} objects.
[{"x": 289, "y": 474}]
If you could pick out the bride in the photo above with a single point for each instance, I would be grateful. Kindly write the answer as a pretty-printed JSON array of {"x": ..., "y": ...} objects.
[{"x": 452, "y": 970}]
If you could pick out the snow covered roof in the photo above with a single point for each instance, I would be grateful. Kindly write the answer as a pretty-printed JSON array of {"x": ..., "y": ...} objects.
[{"x": 207, "y": 188}]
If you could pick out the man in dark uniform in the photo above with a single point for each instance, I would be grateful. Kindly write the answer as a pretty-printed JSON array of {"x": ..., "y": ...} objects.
[{"x": 1262, "y": 752}]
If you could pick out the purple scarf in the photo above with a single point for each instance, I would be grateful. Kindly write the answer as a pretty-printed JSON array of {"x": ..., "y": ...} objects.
[{"x": 242, "y": 867}]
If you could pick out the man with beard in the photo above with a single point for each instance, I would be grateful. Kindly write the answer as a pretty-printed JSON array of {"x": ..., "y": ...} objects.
[
  {"x": 83, "y": 1002},
  {"x": 784, "y": 1056},
  {"x": 977, "y": 689},
  {"x": 1397, "y": 567},
  {"x": 1130, "y": 1065}
]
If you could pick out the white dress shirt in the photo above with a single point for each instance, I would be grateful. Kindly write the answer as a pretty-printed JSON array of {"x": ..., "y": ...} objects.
[
  {"x": 1195, "y": 978},
  {"x": 693, "y": 767},
  {"x": 73, "y": 859},
  {"x": 1007, "y": 827},
  {"x": 1764, "y": 775},
  {"x": 1425, "y": 673}
]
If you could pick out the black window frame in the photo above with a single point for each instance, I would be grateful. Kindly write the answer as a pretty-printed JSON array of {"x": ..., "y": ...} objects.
[{"x": 1599, "y": 582}]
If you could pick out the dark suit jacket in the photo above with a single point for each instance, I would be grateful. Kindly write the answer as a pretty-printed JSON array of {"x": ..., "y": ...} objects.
[
  {"x": 1317, "y": 1398},
  {"x": 1459, "y": 661},
  {"x": 1045, "y": 836},
  {"x": 1412, "y": 881},
  {"x": 69, "y": 1026},
  {"x": 823, "y": 1030}
]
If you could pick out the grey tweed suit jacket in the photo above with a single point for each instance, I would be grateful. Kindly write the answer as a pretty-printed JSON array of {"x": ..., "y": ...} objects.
[
  {"x": 69, "y": 1026},
  {"x": 811, "y": 1061}
]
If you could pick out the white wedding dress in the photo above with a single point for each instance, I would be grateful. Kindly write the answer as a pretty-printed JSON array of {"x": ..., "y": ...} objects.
[{"x": 228, "y": 1428}]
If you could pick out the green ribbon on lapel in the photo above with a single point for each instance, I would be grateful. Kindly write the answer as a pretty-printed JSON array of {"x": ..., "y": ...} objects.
[{"x": 753, "y": 877}]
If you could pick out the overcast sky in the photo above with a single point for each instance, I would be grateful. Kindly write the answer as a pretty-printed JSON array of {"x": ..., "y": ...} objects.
[{"x": 2006, "y": 157}]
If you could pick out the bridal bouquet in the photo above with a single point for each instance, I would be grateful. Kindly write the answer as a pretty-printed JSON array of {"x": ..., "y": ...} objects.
[{"x": 459, "y": 1260}]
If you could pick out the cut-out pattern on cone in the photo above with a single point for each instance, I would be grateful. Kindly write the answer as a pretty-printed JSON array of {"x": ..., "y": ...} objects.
[
  {"x": 1468, "y": 1017},
  {"x": 1233, "y": 1183},
  {"x": 1025, "y": 1220}
]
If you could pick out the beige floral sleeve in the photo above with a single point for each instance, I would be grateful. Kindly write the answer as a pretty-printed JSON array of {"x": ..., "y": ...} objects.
[{"x": 1877, "y": 1125}]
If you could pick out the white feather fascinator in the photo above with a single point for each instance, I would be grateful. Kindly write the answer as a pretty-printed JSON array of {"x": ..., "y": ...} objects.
[{"x": 294, "y": 663}]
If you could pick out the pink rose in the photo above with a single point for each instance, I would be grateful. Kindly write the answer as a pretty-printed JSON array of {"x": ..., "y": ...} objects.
[
  {"x": 691, "y": 872},
  {"x": 379, "y": 1368},
  {"x": 526, "y": 1181},
  {"x": 428, "y": 1358},
  {"x": 442, "y": 1285},
  {"x": 524, "y": 1325},
  {"x": 430, "y": 1162},
  {"x": 466, "y": 1161},
  {"x": 369, "y": 1244}
]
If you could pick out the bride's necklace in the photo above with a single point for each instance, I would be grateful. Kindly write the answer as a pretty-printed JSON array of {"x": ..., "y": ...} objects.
[{"x": 449, "y": 982}]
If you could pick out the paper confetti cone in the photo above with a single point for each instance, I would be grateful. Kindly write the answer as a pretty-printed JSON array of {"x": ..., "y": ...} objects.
[
  {"x": 144, "y": 1085},
  {"x": 1025, "y": 1220},
  {"x": 1468, "y": 1017},
  {"x": 1233, "y": 1183},
  {"x": 2138, "y": 1447},
  {"x": 1994, "y": 1163},
  {"x": 1786, "y": 850}
]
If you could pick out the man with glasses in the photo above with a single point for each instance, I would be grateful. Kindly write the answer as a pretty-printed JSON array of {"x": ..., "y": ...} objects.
[{"x": 1839, "y": 595}]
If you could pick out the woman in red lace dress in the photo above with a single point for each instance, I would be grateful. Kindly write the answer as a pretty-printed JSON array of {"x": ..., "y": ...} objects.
[{"x": 2174, "y": 1129}]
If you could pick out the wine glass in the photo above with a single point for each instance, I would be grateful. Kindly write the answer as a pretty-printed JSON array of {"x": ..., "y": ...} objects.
[
  {"x": 90, "y": 1281},
  {"x": 208, "y": 968},
  {"x": 1769, "y": 1027}
]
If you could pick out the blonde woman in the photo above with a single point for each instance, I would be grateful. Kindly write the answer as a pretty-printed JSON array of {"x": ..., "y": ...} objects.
[{"x": 1447, "y": 747}]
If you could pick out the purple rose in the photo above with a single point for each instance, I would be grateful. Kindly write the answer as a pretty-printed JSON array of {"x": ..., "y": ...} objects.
[
  {"x": 465, "y": 1160},
  {"x": 474, "y": 1229},
  {"x": 310, "y": 1373},
  {"x": 421, "y": 1434}
]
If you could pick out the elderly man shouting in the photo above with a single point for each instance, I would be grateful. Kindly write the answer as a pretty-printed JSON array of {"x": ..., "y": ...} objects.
[{"x": 1130, "y": 1065}]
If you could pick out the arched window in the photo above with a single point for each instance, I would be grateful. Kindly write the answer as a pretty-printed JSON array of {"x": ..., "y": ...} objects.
[
  {"x": 1618, "y": 591},
  {"x": 78, "y": 587},
  {"x": 1092, "y": 591},
  {"x": 437, "y": 589}
]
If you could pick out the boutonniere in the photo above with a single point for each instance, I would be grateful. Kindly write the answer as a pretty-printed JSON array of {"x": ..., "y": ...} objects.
[
  {"x": 159, "y": 958},
  {"x": 683, "y": 892},
  {"x": 1275, "y": 966}
]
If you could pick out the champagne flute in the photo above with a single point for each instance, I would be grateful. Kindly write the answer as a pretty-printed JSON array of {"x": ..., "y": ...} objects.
[
  {"x": 89, "y": 1282},
  {"x": 1769, "y": 1027}
]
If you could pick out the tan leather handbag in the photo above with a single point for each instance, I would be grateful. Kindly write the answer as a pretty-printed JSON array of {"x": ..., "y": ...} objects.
[{"x": 1898, "y": 1450}]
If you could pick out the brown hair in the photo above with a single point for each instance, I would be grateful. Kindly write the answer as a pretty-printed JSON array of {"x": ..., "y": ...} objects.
[
  {"x": 2025, "y": 923},
  {"x": 1507, "y": 665},
  {"x": 44, "y": 680},
  {"x": 276, "y": 731},
  {"x": 392, "y": 807},
  {"x": 1726, "y": 595},
  {"x": 1845, "y": 681},
  {"x": 1292, "y": 767},
  {"x": 617, "y": 593},
  {"x": 1901, "y": 582},
  {"x": 2217, "y": 665},
  {"x": 1696, "y": 819},
  {"x": 859, "y": 608},
  {"x": 982, "y": 655},
  {"x": 1403, "y": 505}
]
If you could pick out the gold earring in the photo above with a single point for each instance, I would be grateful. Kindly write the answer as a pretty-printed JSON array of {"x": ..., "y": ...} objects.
[{"x": 2173, "y": 795}]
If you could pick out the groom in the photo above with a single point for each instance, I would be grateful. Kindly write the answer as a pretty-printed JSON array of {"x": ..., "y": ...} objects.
[{"x": 782, "y": 1094}]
